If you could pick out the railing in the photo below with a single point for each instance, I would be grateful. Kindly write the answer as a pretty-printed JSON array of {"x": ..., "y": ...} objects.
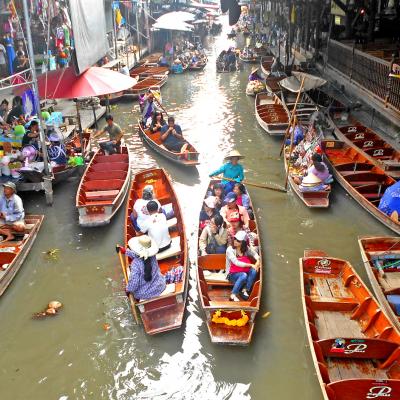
[{"x": 369, "y": 72}]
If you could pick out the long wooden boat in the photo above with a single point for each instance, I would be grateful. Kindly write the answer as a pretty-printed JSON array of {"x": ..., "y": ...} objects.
[
  {"x": 354, "y": 345},
  {"x": 272, "y": 83},
  {"x": 266, "y": 63},
  {"x": 165, "y": 312},
  {"x": 381, "y": 259},
  {"x": 13, "y": 253},
  {"x": 151, "y": 58},
  {"x": 146, "y": 70},
  {"x": 317, "y": 199},
  {"x": 146, "y": 84},
  {"x": 103, "y": 188},
  {"x": 249, "y": 60},
  {"x": 215, "y": 289},
  {"x": 271, "y": 114},
  {"x": 365, "y": 182},
  {"x": 373, "y": 146},
  {"x": 153, "y": 140},
  {"x": 199, "y": 66},
  {"x": 305, "y": 107}
]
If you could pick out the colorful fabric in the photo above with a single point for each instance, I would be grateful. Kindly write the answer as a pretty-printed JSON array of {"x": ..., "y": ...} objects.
[
  {"x": 174, "y": 275},
  {"x": 57, "y": 154},
  {"x": 390, "y": 200}
]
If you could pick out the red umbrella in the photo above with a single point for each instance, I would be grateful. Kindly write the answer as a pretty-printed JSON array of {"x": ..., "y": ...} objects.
[{"x": 95, "y": 81}]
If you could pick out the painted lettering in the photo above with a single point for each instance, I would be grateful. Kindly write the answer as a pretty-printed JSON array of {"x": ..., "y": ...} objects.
[
  {"x": 368, "y": 143},
  {"x": 379, "y": 391},
  {"x": 377, "y": 153},
  {"x": 359, "y": 135},
  {"x": 355, "y": 348}
]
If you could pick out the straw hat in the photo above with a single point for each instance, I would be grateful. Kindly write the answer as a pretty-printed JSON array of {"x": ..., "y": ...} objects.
[
  {"x": 234, "y": 153},
  {"x": 254, "y": 69},
  {"x": 144, "y": 246},
  {"x": 311, "y": 180}
]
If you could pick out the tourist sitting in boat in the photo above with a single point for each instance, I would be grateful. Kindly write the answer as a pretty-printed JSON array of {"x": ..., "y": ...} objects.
[
  {"x": 254, "y": 76},
  {"x": 242, "y": 198},
  {"x": 390, "y": 201},
  {"x": 56, "y": 151},
  {"x": 172, "y": 138},
  {"x": 218, "y": 192},
  {"x": 115, "y": 135},
  {"x": 298, "y": 134},
  {"x": 149, "y": 108},
  {"x": 209, "y": 211},
  {"x": 231, "y": 170},
  {"x": 157, "y": 122},
  {"x": 31, "y": 136},
  {"x": 233, "y": 212},
  {"x": 177, "y": 67},
  {"x": 214, "y": 237},
  {"x": 12, "y": 212},
  {"x": 156, "y": 226},
  {"x": 145, "y": 278},
  {"x": 139, "y": 212},
  {"x": 240, "y": 268},
  {"x": 162, "y": 61}
]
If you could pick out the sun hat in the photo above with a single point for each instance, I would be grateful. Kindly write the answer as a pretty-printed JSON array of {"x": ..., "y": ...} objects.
[
  {"x": 255, "y": 69},
  {"x": 240, "y": 235},
  {"x": 210, "y": 201},
  {"x": 233, "y": 153},
  {"x": 144, "y": 246},
  {"x": 311, "y": 180},
  {"x": 230, "y": 197},
  {"x": 10, "y": 185}
]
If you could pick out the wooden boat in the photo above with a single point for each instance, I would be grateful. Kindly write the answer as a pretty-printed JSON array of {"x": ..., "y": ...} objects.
[
  {"x": 373, "y": 146},
  {"x": 365, "y": 182},
  {"x": 220, "y": 65},
  {"x": 103, "y": 188},
  {"x": 271, "y": 114},
  {"x": 153, "y": 140},
  {"x": 249, "y": 60},
  {"x": 354, "y": 345},
  {"x": 272, "y": 83},
  {"x": 266, "y": 63},
  {"x": 215, "y": 289},
  {"x": 146, "y": 70},
  {"x": 381, "y": 259},
  {"x": 305, "y": 106},
  {"x": 199, "y": 66},
  {"x": 146, "y": 84},
  {"x": 151, "y": 58},
  {"x": 13, "y": 253},
  {"x": 317, "y": 199},
  {"x": 165, "y": 312}
]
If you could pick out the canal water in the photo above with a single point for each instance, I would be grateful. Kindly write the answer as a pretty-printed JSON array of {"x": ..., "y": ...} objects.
[{"x": 93, "y": 349}]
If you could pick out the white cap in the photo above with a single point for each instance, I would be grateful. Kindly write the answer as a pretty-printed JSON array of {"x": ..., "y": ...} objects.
[{"x": 241, "y": 235}]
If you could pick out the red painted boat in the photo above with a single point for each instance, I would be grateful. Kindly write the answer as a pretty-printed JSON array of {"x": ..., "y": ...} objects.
[
  {"x": 13, "y": 253},
  {"x": 215, "y": 289},
  {"x": 103, "y": 188},
  {"x": 381, "y": 259},
  {"x": 364, "y": 181},
  {"x": 147, "y": 70},
  {"x": 354, "y": 346},
  {"x": 165, "y": 312},
  {"x": 144, "y": 85},
  {"x": 271, "y": 114}
]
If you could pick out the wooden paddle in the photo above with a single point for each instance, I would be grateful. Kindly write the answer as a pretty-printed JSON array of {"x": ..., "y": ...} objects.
[
  {"x": 258, "y": 185},
  {"x": 131, "y": 299},
  {"x": 160, "y": 105}
]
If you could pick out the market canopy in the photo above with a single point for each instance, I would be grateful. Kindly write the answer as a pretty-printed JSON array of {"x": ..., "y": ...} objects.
[
  {"x": 292, "y": 83},
  {"x": 173, "y": 26},
  {"x": 95, "y": 81},
  {"x": 176, "y": 16}
]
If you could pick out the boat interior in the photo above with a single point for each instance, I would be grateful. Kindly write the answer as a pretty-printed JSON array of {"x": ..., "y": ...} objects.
[
  {"x": 103, "y": 179},
  {"x": 149, "y": 82},
  {"x": 163, "y": 312},
  {"x": 270, "y": 109},
  {"x": 266, "y": 62},
  {"x": 368, "y": 180},
  {"x": 352, "y": 339},
  {"x": 384, "y": 260}
]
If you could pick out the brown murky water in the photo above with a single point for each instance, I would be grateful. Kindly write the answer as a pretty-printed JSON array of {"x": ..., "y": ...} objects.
[{"x": 73, "y": 357}]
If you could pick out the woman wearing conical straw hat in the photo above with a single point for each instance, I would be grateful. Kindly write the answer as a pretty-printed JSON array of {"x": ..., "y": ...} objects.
[{"x": 231, "y": 169}]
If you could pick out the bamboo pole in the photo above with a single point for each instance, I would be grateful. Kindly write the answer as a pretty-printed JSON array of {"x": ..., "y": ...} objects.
[
  {"x": 258, "y": 185},
  {"x": 292, "y": 115},
  {"x": 131, "y": 299},
  {"x": 290, "y": 154}
]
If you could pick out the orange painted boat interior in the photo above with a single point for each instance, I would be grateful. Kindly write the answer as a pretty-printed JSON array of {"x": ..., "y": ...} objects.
[
  {"x": 161, "y": 313},
  {"x": 271, "y": 113},
  {"x": 148, "y": 70},
  {"x": 367, "y": 179},
  {"x": 103, "y": 179},
  {"x": 354, "y": 344},
  {"x": 147, "y": 83},
  {"x": 381, "y": 249},
  {"x": 191, "y": 156},
  {"x": 370, "y": 142}
]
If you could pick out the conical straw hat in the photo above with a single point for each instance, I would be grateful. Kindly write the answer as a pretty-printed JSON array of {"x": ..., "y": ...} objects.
[
  {"x": 234, "y": 153},
  {"x": 311, "y": 180}
]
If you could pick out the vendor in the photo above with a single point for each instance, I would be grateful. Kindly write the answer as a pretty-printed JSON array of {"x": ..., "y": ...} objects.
[
  {"x": 11, "y": 212},
  {"x": 31, "y": 136},
  {"x": 17, "y": 111},
  {"x": 56, "y": 151},
  {"x": 254, "y": 76}
]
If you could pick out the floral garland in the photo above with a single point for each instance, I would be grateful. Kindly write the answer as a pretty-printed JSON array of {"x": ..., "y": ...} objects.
[{"x": 230, "y": 322}]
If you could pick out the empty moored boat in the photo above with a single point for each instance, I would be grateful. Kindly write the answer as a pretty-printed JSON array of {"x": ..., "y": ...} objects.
[
  {"x": 354, "y": 345},
  {"x": 13, "y": 253},
  {"x": 215, "y": 290},
  {"x": 271, "y": 114},
  {"x": 103, "y": 188},
  {"x": 364, "y": 181},
  {"x": 381, "y": 259},
  {"x": 165, "y": 312}
]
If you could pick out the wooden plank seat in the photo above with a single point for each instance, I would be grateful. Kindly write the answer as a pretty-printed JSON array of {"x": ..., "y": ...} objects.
[
  {"x": 112, "y": 158},
  {"x": 102, "y": 175},
  {"x": 102, "y": 194},
  {"x": 102, "y": 185},
  {"x": 117, "y": 166},
  {"x": 173, "y": 251},
  {"x": 216, "y": 278},
  {"x": 363, "y": 178},
  {"x": 228, "y": 304},
  {"x": 351, "y": 167}
]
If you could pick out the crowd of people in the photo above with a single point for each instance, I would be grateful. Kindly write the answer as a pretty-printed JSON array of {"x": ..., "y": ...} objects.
[{"x": 228, "y": 60}]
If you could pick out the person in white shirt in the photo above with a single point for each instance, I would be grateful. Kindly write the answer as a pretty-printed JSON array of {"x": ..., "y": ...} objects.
[
  {"x": 139, "y": 213},
  {"x": 156, "y": 227}
]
